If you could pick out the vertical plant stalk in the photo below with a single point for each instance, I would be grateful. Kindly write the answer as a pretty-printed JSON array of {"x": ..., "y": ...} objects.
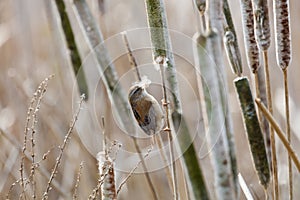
[
  {"x": 280, "y": 133},
  {"x": 62, "y": 148},
  {"x": 71, "y": 44},
  {"x": 234, "y": 57},
  {"x": 288, "y": 129},
  {"x": 215, "y": 116},
  {"x": 162, "y": 47},
  {"x": 40, "y": 94},
  {"x": 224, "y": 149},
  {"x": 262, "y": 33},
  {"x": 165, "y": 104},
  {"x": 283, "y": 55},
  {"x": 255, "y": 137},
  {"x": 95, "y": 41}
]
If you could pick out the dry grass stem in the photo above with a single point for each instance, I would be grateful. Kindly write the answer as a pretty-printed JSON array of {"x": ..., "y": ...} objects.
[
  {"x": 132, "y": 171},
  {"x": 158, "y": 140},
  {"x": 40, "y": 168},
  {"x": 288, "y": 128},
  {"x": 280, "y": 133},
  {"x": 32, "y": 118},
  {"x": 62, "y": 148},
  {"x": 79, "y": 173},
  {"x": 168, "y": 128},
  {"x": 131, "y": 58}
]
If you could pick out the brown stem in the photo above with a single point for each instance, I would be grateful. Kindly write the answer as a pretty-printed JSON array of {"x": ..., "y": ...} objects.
[
  {"x": 279, "y": 132},
  {"x": 165, "y": 104},
  {"x": 272, "y": 136},
  {"x": 288, "y": 129}
]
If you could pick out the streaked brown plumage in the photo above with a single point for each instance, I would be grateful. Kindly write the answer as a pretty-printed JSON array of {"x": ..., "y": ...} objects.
[{"x": 146, "y": 110}]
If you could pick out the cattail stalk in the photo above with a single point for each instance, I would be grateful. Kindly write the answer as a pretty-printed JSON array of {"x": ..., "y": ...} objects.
[
  {"x": 72, "y": 47},
  {"x": 215, "y": 115},
  {"x": 255, "y": 137},
  {"x": 217, "y": 86},
  {"x": 253, "y": 62},
  {"x": 162, "y": 48},
  {"x": 283, "y": 55},
  {"x": 262, "y": 33},
  {"x": 234, "y": 57}
]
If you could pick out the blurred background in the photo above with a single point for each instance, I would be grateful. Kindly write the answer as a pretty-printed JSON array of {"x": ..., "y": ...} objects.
[{"x": 32, "y": 47}]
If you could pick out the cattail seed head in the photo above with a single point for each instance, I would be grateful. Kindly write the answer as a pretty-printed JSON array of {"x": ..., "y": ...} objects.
[
  {"x": 282, "y": 33},
  {"x": 249, "y": 36},
  {"x": 233, "y": 53},
  {"x": 262, "y": 25}
]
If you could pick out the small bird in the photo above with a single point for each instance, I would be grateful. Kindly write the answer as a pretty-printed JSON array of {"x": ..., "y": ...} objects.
[{"x": 146, "y": 109}]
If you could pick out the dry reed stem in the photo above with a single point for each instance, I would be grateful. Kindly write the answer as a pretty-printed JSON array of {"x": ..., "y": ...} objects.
[
  {"x": 132, "y": 171},
  {"x": 280, "y": 133},
  {"x": 272, "y": 134},
  {"x": 62, "y": 148},
  {"x": 267, "y": 96},
  {"x": 79, "y": 173},
  {"x": 159, "y": 142},
  {"x": 131, "y": 58},
  {"x": 288, "y": 129},
  {"x": 165, "y": 103},
  {"x": 32, "y": 117}
]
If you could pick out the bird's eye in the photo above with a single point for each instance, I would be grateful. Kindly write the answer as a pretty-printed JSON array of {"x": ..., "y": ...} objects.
[{"x": 137, "y": 90}]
